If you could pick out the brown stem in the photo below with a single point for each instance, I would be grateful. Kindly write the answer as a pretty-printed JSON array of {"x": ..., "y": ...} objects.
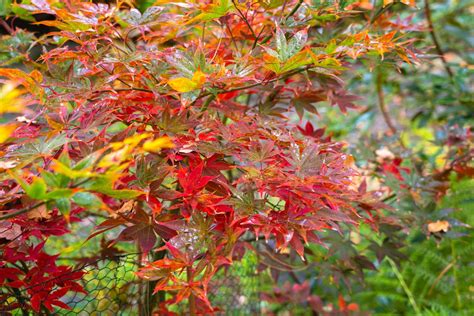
[
  {"x": 297, "y": 6},
  {"x": 381, "y": 98},
  {"x": 245, "y": 19},
  {"x": 257, "y": 38},
  {"x": 282, "y": 9},
  {"x": 6, "y": 26},
  {"x": 231, "y": 36},
  {"x": 445, "y": 270},
  {"x": 141, "y": 286},
  {"x": 297, "y": 71},
  {"x": 22, "y": 211},
  {"x": 192, "y": 299},
  {"x": 286, "y": 76},
  {"x": 435, "y": 38}
]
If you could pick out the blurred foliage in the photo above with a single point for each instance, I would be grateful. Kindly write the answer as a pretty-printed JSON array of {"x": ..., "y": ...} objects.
[
  {"x": 431, "y": 111},
  {"x": 438, "y": 270}
]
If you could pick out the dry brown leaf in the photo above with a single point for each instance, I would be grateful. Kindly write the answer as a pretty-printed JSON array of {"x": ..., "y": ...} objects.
[
  {"x": 40, "y": 212},
  {"x": 438, "y": 226},
  {"x": 384, "y": 154},
  {"x": 355, "y": 237},
  {"x": 124, "y": 209}
]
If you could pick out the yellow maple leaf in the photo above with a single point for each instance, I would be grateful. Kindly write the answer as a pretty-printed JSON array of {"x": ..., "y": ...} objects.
[
  {"x": 199, "y": 78},
  {"x": 5, "y": 131},
  {"x": 60, "y": 168},
  {"x": 10, "y": 101},
  {"x": 25, "y": 79},
  {"x": 130, "y": 142},
  {"x": 182, "y": 84},
  {"x": 158, "y": 144}
]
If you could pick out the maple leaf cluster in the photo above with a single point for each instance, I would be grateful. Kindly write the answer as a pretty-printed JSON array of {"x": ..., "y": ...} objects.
[{"x": 176, "y": 124}]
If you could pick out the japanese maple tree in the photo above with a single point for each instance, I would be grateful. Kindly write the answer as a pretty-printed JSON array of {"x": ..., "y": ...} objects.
[{"x": 180, "y": 125}]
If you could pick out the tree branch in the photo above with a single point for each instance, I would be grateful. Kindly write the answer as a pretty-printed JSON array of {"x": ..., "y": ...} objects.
[
  {"x": 6, "y": 26},
  {"x": 22, "y": 211},
  {"x": 435, "y": 38},
  {"x": 381, "y": 102}
]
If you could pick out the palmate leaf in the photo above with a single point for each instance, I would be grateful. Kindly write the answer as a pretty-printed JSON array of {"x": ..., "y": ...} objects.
[
  {"x": 297, "y": 42},
  {"x": 183, "y": 84},
  {"x": 296, "y": 61},
  {"x": 343, "y": 99},
  {"x": 143, "y": 233},
  {"x": 38, "y": 147},
  {"x": 215, "y": 10},
  {"x": 140, "y": 228},
  {"x": 150, "y": 15},
  {"x": 286, "y": 49},
  {"x": 281, "y": 44},
  {"x": 30, "y": 81},
  {"x": 305, "y": 100}
]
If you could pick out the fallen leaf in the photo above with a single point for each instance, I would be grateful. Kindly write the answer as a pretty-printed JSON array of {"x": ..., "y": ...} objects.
[
  {"x": 125, "y": 208},
  {"x": 40, "y": 212},
  {"x": 37, "y": 213},
  {"x": 438, "y": 226}
]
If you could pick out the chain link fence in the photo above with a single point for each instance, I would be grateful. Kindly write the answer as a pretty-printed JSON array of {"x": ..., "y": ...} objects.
[{"x": 113, "y": 289}]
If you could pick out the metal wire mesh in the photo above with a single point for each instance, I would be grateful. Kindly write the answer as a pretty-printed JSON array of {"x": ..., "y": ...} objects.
[
  {"x": 110, "y": 284},
  {"x": 236, "y": 295},
  {"x": 113, "y": 289}
]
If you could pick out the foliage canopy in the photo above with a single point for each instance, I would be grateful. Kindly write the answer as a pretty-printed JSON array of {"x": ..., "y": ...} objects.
[{"x": 180, "y": 124}]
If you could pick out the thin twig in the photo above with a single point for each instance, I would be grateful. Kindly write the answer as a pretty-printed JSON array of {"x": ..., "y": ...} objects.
[
  {"x": 231, "y": 36},
  {"x": 257, "y": 38},
  {"x": 292, "y": 12},
  {"x": 282, "y": 9},
  {"x": 286, "y": 76},
  {"x": 435, "y": 39},
  {"x": 440, "y": 276},
  {"x": 244, "y": 18},
  {"x": 381, "y": 99},
  {"x": 6, "y": 26},
  {"x": 22, "y": 211}
]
